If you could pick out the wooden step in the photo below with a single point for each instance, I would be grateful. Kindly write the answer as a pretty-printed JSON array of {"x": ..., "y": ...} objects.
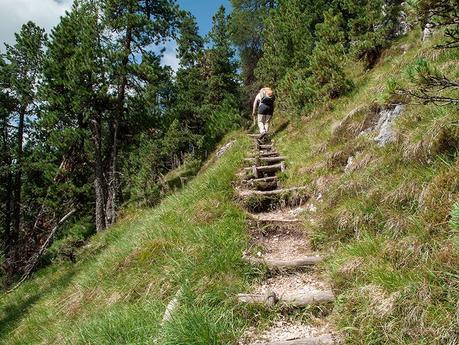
[
  {"x": 265, "y": 146},
  {"x": 257, "y": 170},
  {"x": 266, "y": 160},
  {"x": 272, "y": 159},
  {"x": 271, "y": 219},
  {"x": 253, "y": 135},
  {"x": 263, "y": 153},
  {"x": 248, "y": 193},
  {"x": 267, "y": 153},
  {"x": 263, "y": 179},
  {"x": 325, "y": 339},
  {"x": 296, "y": 300},
  {"x": 273, "y": 264}
]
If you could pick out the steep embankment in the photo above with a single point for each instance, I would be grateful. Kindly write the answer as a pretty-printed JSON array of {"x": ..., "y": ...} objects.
[
  {"x": 383, "y": 176},
  {"x": 118, "y": 290}
]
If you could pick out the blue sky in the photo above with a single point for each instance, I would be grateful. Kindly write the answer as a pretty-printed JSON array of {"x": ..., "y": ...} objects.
[{"x": 203, "y": 10}]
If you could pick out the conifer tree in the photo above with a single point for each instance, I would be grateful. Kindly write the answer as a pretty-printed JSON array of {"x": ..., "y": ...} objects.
[
  {"x": 136, "y": 24},
  {"x": 7, "y": 106},
  {"x": 372, "y": 24},
  {"x": 21, "y": 74},
  {"x": 190, "y": 87},
  {"x": 76, "y": 90},
  {"x": 222, "y": 101},
  {"x": 246, "y": 26},
  {"x": 288, "y": 39},
  {"x": 328, "y": 55},
  {"x": 222, "y": 78}
]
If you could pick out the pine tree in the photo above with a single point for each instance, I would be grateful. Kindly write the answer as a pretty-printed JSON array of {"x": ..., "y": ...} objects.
[
  {"x": 327, "y": 75},
  {"x": 136, "y": 24},
  {"x": 190, "y": 87},
  {"x": 289, "y": 35},
  {"x": 372, "y": 24},
  {"x": 22, "y": 74},
  {"x": 76, "y": 90},
  {"x": 222, "y": 101},
  {"x": 246, "y": 26},
  {"x": 222, "y": 77},
  {"x": 7, "y": 106}
]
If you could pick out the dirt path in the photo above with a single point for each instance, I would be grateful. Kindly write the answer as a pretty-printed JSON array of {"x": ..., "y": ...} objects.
[{"x": 281, "y": 244}]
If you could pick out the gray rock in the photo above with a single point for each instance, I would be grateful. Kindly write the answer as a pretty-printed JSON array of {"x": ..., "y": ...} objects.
[
  {"x": 427, "y": 32},
  {"x": 350, "y": 162},
  {"x": 225, "y": 148},
  {"x": 403, "y": 26},
  {"x": 384, "y": 126}
]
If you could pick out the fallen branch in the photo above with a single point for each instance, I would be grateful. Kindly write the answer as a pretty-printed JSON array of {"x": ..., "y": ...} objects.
[{"x": 36, "y": 257}]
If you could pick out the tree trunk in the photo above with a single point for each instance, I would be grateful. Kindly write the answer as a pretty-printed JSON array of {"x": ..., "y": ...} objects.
[
  {"x": 99, "y": 181},
  {"x": 8, "y": 191},
  {"x": 17, "y": 186},
  {"x": 110, "y": 210}
]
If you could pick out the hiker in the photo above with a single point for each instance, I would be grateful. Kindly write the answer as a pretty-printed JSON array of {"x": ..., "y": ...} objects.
[{"x": 264, "y": 102}]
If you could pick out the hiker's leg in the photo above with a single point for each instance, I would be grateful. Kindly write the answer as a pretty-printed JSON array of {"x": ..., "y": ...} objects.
[
  {"x": 267, "y": 122},
  {"x": 261, "y": 125}
]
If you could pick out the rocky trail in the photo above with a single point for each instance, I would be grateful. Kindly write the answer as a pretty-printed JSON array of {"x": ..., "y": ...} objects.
[{"x": 281, "y": 245}]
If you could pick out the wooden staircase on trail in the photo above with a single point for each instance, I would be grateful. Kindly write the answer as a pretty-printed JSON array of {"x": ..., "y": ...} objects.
[{"x": 275, "y": 226}]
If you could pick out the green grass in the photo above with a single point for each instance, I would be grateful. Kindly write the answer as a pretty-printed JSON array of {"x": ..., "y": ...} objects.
[
  {"x": 387, "y": 225},
  {"x": 117, "y": 291},
  {"x": 394, "y": 249}
]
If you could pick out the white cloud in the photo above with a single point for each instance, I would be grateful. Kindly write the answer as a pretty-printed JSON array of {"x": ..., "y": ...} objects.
[
  {"x": 14, "y": 13},
  {"x": 46, "y": 13},
  {"x": 170, "y": 55}
]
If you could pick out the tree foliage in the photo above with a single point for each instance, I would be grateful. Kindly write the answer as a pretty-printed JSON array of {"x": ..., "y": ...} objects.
[{"x": 95, "y": 121}]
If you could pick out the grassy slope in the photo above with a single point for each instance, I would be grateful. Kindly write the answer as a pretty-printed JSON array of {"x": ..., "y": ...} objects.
[
  {"x": 118, "y": 290},
  {"x": 394, "y": 258}
]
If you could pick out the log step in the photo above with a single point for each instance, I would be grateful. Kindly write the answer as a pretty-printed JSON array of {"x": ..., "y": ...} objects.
[
  {"x": 273, "y": 219},
  {"x": 257, "y": 170},
  {"x": 299, "y": 300},
  {"x": 274, "y": 264},
  {"x": 325, "y": 339},
  {"x": 274, "y": 159},
  {"x": 267, "y": 153},
  {"x": 265, "y": 146},
  {"x": 263, "y": 179},
  {"x": 248, "y": 193}
]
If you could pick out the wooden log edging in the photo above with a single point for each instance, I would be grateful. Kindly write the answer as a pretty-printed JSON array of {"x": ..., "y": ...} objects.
[
  {"x": 285, "y": 264},
  {"x": 248, "y": 193},
  {"x": 325, "y": 339},
  {"x": 266, "y": 168},
  {"x": 296, "y": 300},
  {"x": 263, "y": 179},
  {"x": 265, "y": 146}
]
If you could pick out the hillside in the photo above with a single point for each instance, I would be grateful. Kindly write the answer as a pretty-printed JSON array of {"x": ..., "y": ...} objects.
[
  {"x": 117, "y": 291},
  {"x": 380, "y": 212}
]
